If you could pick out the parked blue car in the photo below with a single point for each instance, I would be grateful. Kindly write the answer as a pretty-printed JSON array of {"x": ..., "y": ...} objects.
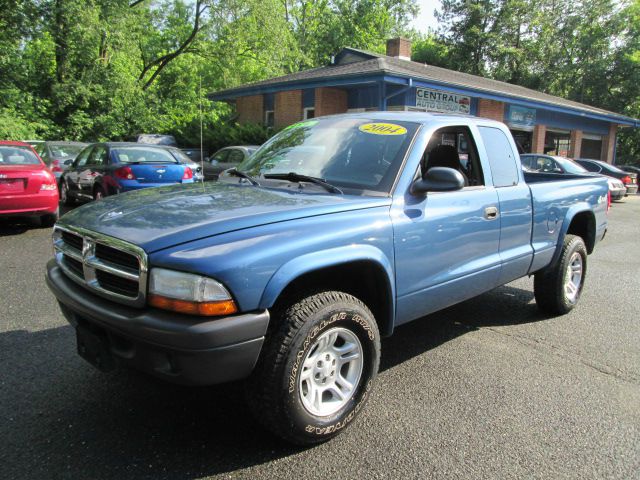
[
  {"x": 288, "y": 270},
  {"x": 105, "y": 169}
]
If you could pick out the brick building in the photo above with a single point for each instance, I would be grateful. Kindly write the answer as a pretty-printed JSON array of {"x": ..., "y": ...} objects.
[{"x": 359, "y": 81}]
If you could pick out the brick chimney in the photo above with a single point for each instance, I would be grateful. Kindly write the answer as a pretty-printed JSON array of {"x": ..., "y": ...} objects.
[{"x": 399, "y": 48}]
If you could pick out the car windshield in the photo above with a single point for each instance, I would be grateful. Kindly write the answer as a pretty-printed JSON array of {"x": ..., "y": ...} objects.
[
  {"x": 65, "y": 151},
  {"x": 357, "y": 153},
  {"x": 143, "y": 155},
  {"x": 17, "y": 155},
  {"x": 570, "y": 166}
]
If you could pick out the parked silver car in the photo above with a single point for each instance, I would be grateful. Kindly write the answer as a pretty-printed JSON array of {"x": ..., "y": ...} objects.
[{"x": 225, "y": 158}]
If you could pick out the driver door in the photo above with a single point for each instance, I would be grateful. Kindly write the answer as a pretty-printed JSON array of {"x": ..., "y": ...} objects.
[{"x": 447, "y": 243}]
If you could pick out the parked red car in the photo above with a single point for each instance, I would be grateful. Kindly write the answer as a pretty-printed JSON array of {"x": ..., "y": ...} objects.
[{"x": 27, "y": 186}]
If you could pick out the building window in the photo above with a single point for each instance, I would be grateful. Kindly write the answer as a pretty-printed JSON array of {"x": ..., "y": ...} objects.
[
  {"x": 523, "y": 140},
  {"x": 269, "y": 118},
  {"x": 591, "y": 146},
  {"x": 309, "y": 112},
  {"x": 556, "y": 142}
]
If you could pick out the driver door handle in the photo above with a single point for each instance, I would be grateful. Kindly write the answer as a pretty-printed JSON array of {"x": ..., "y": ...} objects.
[{"x": 491, "y": 213}]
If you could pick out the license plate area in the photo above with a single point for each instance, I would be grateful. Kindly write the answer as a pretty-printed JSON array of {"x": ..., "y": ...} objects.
[
  {"x": 12, "y": 185},
  {"x": 93, "y": 346}
]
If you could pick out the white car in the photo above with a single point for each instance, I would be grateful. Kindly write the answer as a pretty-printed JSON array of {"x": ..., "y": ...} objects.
[{"x": 616, "y": 188}]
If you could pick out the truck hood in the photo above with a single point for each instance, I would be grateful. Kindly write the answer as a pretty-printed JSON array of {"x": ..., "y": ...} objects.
[{"x": 158, "y": 218}]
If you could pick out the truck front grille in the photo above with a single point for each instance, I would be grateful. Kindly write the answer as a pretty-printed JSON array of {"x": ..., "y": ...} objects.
[
  {"x": 117, "y": 257},
  {"x": 107, "y": 266}
]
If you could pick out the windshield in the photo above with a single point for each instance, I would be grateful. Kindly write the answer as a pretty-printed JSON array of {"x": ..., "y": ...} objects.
[
  {"x": 143, "y": 155},
  {"x": 353, "y": 153},
  {"x": 570, "y": 166},
  {"x": 65, "y": 151},
  {"x": 17, "y": 156}
]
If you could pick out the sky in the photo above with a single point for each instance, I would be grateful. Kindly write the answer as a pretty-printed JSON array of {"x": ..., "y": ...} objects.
[{"x": 425, "y": 18}]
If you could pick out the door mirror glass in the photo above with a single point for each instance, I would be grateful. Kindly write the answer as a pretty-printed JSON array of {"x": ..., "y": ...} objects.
[
  {"x": 67, "y": 162},
  {"x": 438, "y": 179}
]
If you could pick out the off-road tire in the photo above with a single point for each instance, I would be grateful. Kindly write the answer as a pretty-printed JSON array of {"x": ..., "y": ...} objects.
[
  {"x": 273, "y": 392},
  {"x": 549, "y": 284}
]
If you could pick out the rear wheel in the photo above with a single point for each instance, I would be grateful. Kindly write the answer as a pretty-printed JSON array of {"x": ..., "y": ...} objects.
[
  {"x": 50, "y": 219},
  {"x": 557, "y": 290},
  {"x": 98, "y": 193},
  {"x": 317, "y": 370}
]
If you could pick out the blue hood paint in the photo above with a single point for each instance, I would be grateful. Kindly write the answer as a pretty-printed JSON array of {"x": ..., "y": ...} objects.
[{"x": 159, "y": 218}]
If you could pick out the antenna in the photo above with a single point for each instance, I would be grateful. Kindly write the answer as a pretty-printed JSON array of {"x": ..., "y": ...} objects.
[{"x": 201, "y": 120}]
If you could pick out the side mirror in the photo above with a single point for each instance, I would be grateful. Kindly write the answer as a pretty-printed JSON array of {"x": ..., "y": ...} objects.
[
  {"x": 438, "y": 179},
  {"x": 206, "y": 159},
  {"x": 67, "y": 162},
  {"x": 214, "y": 161}
]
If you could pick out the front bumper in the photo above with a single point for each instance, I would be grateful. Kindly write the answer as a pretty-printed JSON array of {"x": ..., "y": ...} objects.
[{"x": 179, "y": 348}]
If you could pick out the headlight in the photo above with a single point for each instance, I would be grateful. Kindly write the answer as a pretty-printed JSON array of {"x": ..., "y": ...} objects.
[{"x": 189, "y": 293}]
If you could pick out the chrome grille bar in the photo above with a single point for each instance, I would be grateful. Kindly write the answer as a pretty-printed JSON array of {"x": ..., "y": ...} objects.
[{"x": 91, "y": 264}]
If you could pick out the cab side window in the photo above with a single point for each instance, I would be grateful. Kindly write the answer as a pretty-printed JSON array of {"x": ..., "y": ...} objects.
[
  {"x": 454, "y": 147},
  {"x": 501, "y": 157}
]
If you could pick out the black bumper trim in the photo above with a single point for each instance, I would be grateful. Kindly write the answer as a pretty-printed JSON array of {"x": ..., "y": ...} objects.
[{"x": 180, "y": 348}]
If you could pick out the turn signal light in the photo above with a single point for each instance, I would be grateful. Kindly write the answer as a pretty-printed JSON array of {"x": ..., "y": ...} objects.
[
  {"x": 209, "y": 309},
  {"x": 626, "y": 179},
  {"x": 125, "y": 173},
  {"x": 188, "y": 174}
]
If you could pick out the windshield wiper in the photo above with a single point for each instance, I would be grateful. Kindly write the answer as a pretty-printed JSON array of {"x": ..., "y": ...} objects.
[
  {"x": 238, "y": 173},
  {"x": 297, "y": 177}
]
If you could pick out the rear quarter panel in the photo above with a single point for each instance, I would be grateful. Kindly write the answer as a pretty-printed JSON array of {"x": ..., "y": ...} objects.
[{"x": 555, "y": 204}]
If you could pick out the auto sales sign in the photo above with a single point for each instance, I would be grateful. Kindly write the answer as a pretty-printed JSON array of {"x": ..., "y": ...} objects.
[{"x": 439, "y": 101}]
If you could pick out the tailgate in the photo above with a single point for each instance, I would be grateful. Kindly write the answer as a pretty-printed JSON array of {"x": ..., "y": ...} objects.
[{"x": 158, "y": 173}]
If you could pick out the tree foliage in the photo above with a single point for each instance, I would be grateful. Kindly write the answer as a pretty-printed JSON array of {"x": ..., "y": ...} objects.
[
  {"x": 583, "y": 50},
  {"x": 107, "y": 69}
]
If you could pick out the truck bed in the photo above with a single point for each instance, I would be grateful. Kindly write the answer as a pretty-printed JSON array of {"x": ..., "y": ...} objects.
[{"x": 556, "y": 197}]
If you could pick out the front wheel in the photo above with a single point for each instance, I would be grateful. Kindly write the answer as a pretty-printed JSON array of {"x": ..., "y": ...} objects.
[
  {"x": 317, "y": 370},
  {"x": 557, "y": 290},
  {"x": 65, "y": 199}
]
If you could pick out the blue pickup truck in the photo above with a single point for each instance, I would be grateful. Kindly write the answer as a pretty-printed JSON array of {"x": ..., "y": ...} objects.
[{"x": 287, "y": 271}]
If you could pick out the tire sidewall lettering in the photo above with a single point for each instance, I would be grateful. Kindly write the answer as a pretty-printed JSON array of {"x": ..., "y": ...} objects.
[
  {"x": 329, "y": 426},
  {"x": 340, "y": 316}
]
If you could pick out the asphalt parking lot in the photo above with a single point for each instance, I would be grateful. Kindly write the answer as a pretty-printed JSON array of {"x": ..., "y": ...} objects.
[{"x": 486, "y": 389}]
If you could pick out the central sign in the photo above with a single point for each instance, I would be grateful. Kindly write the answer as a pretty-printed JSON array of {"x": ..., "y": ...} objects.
[{"x": 439, "y": 101}]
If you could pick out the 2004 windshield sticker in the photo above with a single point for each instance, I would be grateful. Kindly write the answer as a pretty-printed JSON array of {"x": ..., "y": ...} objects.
[{"x": 383, "y": 129}]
